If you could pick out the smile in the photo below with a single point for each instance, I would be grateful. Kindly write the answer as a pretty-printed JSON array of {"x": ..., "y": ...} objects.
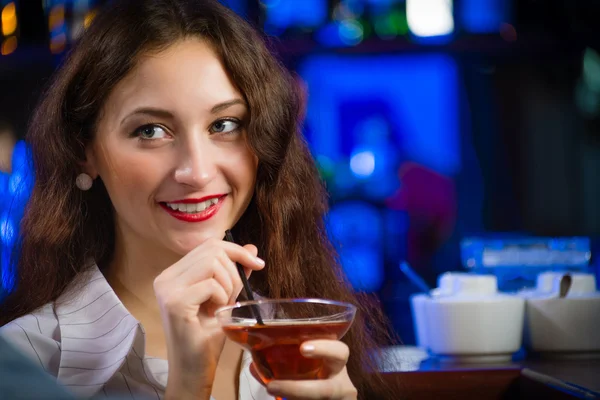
[{"x": 194, "y": 210}]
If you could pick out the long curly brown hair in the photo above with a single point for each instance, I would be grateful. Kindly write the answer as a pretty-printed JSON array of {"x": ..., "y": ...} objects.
[{"x": 64, "y": 227}]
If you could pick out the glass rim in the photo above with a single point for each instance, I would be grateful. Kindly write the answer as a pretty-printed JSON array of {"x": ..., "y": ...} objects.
[{"x": 311, "y": 300}]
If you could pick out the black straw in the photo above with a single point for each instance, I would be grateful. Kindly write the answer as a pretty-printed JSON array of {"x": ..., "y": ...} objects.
[{"x": 247, "y": 288}]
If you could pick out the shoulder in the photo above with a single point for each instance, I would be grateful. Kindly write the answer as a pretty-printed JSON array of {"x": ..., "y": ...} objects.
[
  {"x": 37, "y": 336},
  {"x": 42, "y": 321}
]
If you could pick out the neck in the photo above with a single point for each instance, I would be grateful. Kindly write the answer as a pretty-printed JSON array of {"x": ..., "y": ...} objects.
[{"x": 132, "y": 271}]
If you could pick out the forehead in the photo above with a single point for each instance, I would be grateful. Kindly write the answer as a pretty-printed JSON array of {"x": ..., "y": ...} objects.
[{"x": 186, "y": 73}]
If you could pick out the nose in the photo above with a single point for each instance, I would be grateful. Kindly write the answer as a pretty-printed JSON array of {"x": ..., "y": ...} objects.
[{"x": 196, "y": 165}]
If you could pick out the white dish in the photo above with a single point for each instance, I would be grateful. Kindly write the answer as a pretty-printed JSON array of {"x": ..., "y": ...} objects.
[
  {"x": 417, "y": 303},
  {"x": 475, "y": 328},
  {"x": 466, "y": 319},
  {"x": 564, "y": 325}
]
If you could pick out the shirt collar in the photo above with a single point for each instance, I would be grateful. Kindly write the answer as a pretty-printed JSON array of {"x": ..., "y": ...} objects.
[{"x": 97, "y": 334}]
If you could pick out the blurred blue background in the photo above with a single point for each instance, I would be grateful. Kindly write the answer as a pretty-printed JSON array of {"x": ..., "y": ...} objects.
[{"x": 431, "y": 121}]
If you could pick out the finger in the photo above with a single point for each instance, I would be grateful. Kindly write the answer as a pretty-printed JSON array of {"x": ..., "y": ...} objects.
[
  {"x": 247, "y": 255},
  {"x": 206, "y": 292},
  {"x": 234, "y": 252},
  {"x": 252, "y": 249},
  {"x": 210, "y": 267},
  {"x": 312, "y": 389},
  {"x": 231, "y": 269},
  {"x": 333, "y": 352}
]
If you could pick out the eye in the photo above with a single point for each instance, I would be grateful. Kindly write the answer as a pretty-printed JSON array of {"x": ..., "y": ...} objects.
[
  {"x": 150, "y": 132},
  {"x": 225, "y": 126}
]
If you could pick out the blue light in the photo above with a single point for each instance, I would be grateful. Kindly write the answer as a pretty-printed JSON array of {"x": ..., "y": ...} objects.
[
  {"x": 340, "y": 34},
  {"x": 351, "y": 32},
  {"x": 16, "y": 184},
  {"x": 381, "y": 2},
  {"x": 7, "y": 231},
  {"x": 363, "y": 164},
  {"x": 420, "y": 91},
  {"x": 8, "y": 235},
  {"x": 356, "y": 228},
  {"x": 355, "y": 224},
  {"x": 15, "y": 190},
  {"x": 345, "y": 182},
  {"x": 483, "y": 16},
  {"x": 20, "y": 182},
  {"x": 364, "y": 268},
  {"x": 7, "y": 277},
  {"x": 329, "y": 36},
  {"x": 355, "y": 7},
  {"x": 375, "y": 157},
  {"x": 51, "y": 3},
  {"x": 240, "y": 7},
  {"x": 21, "y": 157},
  {"x": 305, "y": 13},
  {"x": 270, "y": 3},
  {"x": 58, "y": 30},
  {"x": 3, "y": 188}
]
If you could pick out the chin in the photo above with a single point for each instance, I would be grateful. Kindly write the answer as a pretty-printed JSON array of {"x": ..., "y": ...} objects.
[{"x": 188, "y": 242}]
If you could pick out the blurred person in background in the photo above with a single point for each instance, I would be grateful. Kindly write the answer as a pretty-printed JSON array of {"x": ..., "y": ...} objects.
[{"x": 169, "y": 123}]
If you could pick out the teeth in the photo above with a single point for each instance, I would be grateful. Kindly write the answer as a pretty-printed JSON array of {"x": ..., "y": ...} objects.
[{"x": 193, "y": 208}]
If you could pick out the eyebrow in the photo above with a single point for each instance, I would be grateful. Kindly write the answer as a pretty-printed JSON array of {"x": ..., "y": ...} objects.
[
  {"x": 225, "y": 105},
  {"x": 161, "y": 113}
]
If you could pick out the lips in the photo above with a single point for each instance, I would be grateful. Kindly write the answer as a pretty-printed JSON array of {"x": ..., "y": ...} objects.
[{"x": 194, "y": 210}]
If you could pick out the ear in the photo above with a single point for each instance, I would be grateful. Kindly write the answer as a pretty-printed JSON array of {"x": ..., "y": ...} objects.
[{"x": 89, "y": 165}]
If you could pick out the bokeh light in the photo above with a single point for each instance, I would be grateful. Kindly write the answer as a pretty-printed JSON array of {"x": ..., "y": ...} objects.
[
  {"x": 89, "y": 17},
  {"x": 428, "y": 18},
  {"x": 9, "y": 19},
  {"x": 7, "y": 231},
  {"x": 9, "y": 45},
  {"x": 362, "y": 164},
  {"x": 58, "y": 43},
  {"x": 351, "y": 32},
  {"x": 56, "y": 17}
]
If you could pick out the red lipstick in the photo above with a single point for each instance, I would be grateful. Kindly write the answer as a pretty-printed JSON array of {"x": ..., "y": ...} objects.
[{"x": 199, "y": 216}]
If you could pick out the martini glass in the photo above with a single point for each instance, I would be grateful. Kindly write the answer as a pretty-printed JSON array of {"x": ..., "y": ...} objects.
[{"x": 286, "y": 324}]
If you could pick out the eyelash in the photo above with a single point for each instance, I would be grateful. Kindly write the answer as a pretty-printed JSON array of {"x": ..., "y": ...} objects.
[
  {"x": 137, "y": 132},
  {"x": 234, "y": 120}
]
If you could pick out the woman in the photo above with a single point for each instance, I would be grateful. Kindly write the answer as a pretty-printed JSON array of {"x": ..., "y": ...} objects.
[{"x": 169, "y": 123}]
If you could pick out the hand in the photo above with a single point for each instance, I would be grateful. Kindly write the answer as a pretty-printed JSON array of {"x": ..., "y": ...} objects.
[
  {"x": 335, "y": 383},
  {"x": 188, "y": 294}
]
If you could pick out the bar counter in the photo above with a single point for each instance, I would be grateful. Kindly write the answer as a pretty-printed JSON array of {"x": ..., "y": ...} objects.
[{"x": 529, "y": 378}]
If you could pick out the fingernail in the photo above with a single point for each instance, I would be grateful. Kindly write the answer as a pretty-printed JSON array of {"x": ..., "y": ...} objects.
[
  {"x": 308, "y": 349},
  {"x": 260, "y": 261}
]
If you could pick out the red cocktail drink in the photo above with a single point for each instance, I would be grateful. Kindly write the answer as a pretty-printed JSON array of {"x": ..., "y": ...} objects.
[{"x": 275, "y": 345}]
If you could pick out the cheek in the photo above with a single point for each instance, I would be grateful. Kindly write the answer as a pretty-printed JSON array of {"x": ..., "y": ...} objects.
[
  {"x": 247, "y": 165},
  {"x": 129, "y": 177}
]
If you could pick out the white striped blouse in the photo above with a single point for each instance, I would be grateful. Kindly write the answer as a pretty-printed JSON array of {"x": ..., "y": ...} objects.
[{"x": 95, "y": 347}]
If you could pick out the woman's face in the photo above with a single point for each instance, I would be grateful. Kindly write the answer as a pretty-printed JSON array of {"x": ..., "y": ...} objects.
[{"x": 171, "y": 150}]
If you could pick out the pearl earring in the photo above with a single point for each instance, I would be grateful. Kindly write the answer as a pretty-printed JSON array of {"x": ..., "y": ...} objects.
[{"x": 83, "y": 182}]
